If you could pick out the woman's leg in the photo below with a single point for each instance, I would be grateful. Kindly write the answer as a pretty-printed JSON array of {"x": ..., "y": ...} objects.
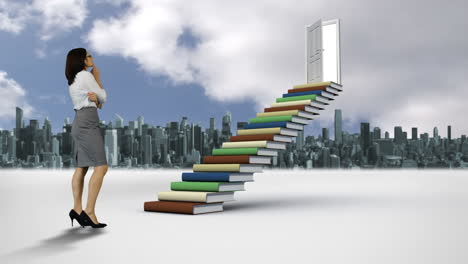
[
  {"x": 77, "y": 187},
  {"x": 93, "y": 190}
]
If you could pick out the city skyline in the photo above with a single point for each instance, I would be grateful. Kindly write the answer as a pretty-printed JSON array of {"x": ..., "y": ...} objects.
[{"x": 180, "y": 144}]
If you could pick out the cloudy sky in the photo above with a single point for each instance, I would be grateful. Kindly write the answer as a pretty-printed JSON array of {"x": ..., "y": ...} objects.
[{"x": 403, "y": 62}]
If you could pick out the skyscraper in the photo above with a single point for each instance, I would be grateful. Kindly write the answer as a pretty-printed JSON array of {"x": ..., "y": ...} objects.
[
  {"x": 110, "y": 141},
  {"x": 325, "y": 134},
  {"x": 398, "y": 135},
  {"x": 338, "y": 127},
  {"x": 300, "y": 140},
  {"x": 19, "y": 120},
  {"x": 449, "y": 133},
  {"x": 435, "y": 132},
  {"x": 226, "y": 129},
  {"x": 118, "y": 121},
  {"x": 414, "y": 133},
  {"x": 377, "y": 133},
  {"x": 141, "y": 121},
  {"x": 365, "y": 137}
]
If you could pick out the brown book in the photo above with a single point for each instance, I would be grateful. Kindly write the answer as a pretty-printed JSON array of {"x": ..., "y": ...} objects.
[
  {"x": 307, "y": 89},
  {"x": 252, "y": 137},
  {"x": 228, "y": 159},
  {"x": 284, "y": 108},
  {"x": 182, "y": 207}
]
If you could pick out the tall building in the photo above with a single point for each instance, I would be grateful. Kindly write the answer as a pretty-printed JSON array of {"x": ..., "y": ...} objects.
[
  {"x": 226, "y": 129},
  {"x": 398, "y": 135},
  {"x": 435, "y": 132},
  {"x": 365, "y": 137},
  {"x": 141, "y": 121},
  {"x": 119, "y": 121},
  {"x": 387, "y": 135},
  {"x": 449, "y": 133},
  {"x": 147, "y": 150},
  {"x": 300, "y": 140},
  {"x": 414, "y": 133},
  {"x": 338, "y": 127},
  {"x": 19, "y": 120},
  {"x": 110, "y": 142},
  {"x": 377, "y": 133},
  {"x": 325, "y": 133}
]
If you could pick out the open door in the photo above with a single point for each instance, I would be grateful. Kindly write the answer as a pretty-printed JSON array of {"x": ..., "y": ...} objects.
[{"x": 323, "y": 58}]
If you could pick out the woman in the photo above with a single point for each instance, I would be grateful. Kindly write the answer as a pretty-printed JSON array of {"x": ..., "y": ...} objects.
[{"x": 87, "y": 94}]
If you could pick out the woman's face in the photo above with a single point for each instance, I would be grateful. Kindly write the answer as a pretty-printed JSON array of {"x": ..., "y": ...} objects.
[{"x": 89, "y": 60}]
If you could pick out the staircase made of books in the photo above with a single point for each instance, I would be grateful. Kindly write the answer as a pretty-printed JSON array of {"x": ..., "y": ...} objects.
[{"x": 214, "y": 182}]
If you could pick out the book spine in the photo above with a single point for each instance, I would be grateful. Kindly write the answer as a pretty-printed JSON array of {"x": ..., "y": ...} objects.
[
  {"x": 258, "y": 131},
  {"x": 299, "y": 102},
  {"x": 269, "y": 119},
  {"x": 307, "y": 85},
  {"x": 239, "y": 159},
  {"x": 303, "y": 93},
  {"x": 268, "y": 137},
  {"x": 216, "y": 167},
  {"x": 265, "y": 125},
  {"x": 299, "y": 90},
  {"x": 235, "y": 151},
  {"x": 206, "y": 176},
  {"x": 170, "y": 207},
  {"x": 182, "y": 196},
  {"x": 245, "y": 144},
  {"x": 195, "y": 186},
  {"x": 285, "y": 108},
  {"x": 296, "y": 98},
  {"x": 278, "y": 113}
]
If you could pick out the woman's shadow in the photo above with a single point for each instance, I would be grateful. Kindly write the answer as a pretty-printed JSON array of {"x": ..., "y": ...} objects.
[{"x": 55, "y": 245}]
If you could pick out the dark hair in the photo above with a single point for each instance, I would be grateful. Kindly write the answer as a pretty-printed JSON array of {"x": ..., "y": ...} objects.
[{"x": 75, "y": 63}]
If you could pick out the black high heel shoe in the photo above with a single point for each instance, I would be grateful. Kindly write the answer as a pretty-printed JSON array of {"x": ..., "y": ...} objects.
[
  {"x": 88, "y": 222},
  {"x": 74, "y": 215}
]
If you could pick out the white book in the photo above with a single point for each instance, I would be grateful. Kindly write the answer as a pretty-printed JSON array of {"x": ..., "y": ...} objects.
[
  {"x": 255, "y": 144},
  {"x": 200, "y": 197},
  {"x": 300, "y": 120},
  {"x": 296, "y": 126}
]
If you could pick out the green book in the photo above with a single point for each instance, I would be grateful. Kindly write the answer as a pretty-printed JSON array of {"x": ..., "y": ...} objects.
[
  {"x": 235, "y": 151},
  {"x": 207, "y": 186},
  {"x": 270, "y": 119},
  {"x": 296, "y": 98}
]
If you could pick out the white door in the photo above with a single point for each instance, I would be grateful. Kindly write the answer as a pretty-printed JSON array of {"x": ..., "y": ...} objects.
[{"x": 314, "y": 53}]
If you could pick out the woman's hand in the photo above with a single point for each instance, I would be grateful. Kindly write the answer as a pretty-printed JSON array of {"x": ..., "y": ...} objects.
[
  {"x": 95, "y": 72},
  {"x": 93, "y": 97}
]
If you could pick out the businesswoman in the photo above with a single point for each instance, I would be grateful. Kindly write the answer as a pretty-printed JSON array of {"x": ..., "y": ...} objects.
[{"x": 87, "y": 94}]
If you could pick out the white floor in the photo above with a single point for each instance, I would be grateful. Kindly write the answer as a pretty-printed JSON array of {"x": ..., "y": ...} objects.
[{"x": 290, "y": 216}]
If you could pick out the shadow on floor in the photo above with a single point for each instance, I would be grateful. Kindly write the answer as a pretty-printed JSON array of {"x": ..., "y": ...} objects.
[{"x": 55, "y": 245}]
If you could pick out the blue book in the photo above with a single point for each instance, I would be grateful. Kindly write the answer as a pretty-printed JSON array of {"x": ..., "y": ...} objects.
[
  {"x": 284, "y": 124},
  {"x": 265, "y": 125},
  {"x": 216, "y": 176},
  {"x": 302, "y": 93}
]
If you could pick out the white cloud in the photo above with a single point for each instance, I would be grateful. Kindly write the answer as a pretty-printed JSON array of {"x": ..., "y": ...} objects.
[
  {"x": 11, "y": 96},
  {"x": 58, "y": 16},
  {"x": 395, "y": 62},
  {"x": 53, "y": 16},
  {"x": 13, "y": 16}
]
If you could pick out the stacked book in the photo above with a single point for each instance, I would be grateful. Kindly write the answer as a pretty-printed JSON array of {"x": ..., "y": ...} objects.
[{"x": 228, "y": 169}]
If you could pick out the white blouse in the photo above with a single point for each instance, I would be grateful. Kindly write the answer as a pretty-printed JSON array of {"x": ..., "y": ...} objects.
[{"x": 84, "y": 83}]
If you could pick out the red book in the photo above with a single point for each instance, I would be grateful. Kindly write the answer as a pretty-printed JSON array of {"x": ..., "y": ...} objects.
[
  {"x": 308, "y": 89},
  {"x": 285, "y": 108},
  {"x": 269, "y": 137},
  {"x": 228, "y": 159},
  {"x": 182, "y": 207}
]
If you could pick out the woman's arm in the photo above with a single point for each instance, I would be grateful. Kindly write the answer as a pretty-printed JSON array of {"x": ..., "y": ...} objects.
[{"x": 96, "y": 88}]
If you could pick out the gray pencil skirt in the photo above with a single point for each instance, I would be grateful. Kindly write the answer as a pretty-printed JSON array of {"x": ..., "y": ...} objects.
[{"x": 87, "y": 139}]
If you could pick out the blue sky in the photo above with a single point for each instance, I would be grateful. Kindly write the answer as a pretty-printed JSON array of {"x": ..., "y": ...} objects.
[{"x": 164, "y": 60}]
